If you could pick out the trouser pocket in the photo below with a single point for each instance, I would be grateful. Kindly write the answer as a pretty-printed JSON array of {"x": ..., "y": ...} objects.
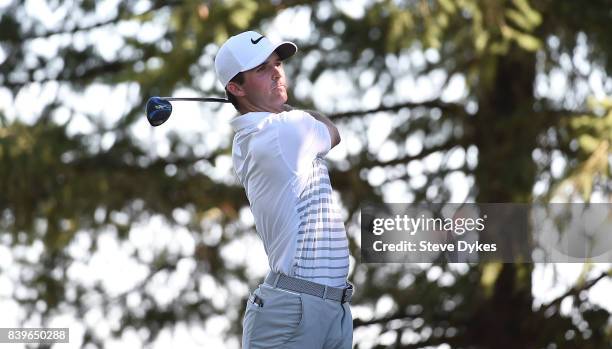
[{"x": 272, "y": 317}]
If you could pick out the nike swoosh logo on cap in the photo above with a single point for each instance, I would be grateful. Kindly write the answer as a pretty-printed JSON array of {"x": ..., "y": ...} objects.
[{"x": 254, "y": 42}]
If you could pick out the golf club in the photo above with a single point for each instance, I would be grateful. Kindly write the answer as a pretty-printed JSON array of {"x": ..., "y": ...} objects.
[{"x": 159, "y": 108}]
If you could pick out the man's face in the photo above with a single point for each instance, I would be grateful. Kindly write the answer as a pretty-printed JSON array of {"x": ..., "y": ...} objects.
[{"x": 264, "y": 87}]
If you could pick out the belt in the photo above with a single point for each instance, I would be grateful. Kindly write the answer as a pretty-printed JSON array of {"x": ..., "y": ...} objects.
[{"x": 339, "y": 294}]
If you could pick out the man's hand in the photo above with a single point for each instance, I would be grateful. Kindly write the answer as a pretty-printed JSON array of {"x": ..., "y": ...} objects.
[{"x": 333, "y": 130}]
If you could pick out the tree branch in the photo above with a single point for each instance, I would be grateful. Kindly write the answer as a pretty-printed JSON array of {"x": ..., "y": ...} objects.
[
  {"x": 436, "y": 103},
  {"x": 32, "y": 36},
  {"x": 382, "y": 321},
  {"x": 91, "y": 73},
  {"x": 574, "y": 291},
  {"x": 121, "y": 15},
  {"x": 430, "y": 342},
  {"x": 405, "y": 159}
]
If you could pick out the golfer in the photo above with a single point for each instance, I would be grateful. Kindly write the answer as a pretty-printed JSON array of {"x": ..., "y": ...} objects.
[{"x": 278, "y": 156}]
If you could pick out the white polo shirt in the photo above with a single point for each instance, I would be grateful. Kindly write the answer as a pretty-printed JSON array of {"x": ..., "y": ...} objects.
[{"x": 278, "y": 159}]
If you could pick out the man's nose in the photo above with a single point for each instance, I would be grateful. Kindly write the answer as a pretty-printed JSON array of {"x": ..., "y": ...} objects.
[{"x": 276, "y": 73}]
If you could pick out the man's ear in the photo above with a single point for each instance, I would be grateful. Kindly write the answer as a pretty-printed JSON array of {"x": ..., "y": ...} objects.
[{"x": 236, "y": 89}]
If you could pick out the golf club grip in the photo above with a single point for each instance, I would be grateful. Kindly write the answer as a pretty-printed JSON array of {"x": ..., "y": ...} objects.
[{"x": 197, "y": 99}]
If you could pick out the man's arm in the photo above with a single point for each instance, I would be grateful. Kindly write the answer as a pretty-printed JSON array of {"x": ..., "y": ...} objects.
[{"x": 333, "y": 130}]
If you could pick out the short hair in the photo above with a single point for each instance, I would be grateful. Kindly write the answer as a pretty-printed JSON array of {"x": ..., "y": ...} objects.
[{"x": 238, "y": 79}]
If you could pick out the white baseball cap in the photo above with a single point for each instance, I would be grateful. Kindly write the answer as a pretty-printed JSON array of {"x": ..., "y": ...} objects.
[{"x": 246, "y": 51}]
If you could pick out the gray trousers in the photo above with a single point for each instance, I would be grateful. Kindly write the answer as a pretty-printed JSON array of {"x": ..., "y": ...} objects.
[{"x": 281, "y": 319}]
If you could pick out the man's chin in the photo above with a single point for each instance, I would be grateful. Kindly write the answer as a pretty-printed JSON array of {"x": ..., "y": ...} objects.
[{"x": 282, "y": 97}]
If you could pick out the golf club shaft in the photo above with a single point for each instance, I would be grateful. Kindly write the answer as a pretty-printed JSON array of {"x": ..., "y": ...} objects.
[{"x": 197, "y": 99}]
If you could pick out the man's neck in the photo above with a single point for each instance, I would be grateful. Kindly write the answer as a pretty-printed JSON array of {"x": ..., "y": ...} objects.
[{"x": 248, "y": 108}]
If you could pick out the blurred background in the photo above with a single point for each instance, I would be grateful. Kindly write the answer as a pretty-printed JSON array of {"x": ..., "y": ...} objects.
[{"x": 139, "y": 237}]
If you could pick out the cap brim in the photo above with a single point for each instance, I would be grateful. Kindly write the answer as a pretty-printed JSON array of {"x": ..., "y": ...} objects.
[{"x": 286, "y": 50}]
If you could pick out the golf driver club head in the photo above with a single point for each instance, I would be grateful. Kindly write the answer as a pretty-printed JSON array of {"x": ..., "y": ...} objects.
[{"x": 158, "y": 110}]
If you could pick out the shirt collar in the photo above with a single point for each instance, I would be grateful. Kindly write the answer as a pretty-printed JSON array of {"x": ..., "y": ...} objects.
[{"x": 248, "y": 120}]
